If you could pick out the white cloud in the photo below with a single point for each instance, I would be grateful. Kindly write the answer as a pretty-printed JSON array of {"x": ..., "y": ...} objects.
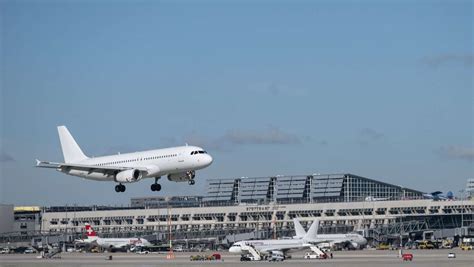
[
  {"x": 4, "y": 157},
  {"x": 457, "y": 152},
  {"x": 369, "y": 135},
  {"x": 271, "y": 135},
  {"x": 466, "y": 60}
]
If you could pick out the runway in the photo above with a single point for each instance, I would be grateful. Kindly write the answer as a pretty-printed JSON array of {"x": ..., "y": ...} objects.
[{"x": 341, "y": 258}]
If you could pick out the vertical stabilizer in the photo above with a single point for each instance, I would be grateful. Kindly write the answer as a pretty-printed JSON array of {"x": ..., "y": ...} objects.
[
  {"x": 299, "y": 230},
  {"x": 71, "y": 151},
  {"x": 313, "y": 230},
  {"x": 91, "y": 234}
]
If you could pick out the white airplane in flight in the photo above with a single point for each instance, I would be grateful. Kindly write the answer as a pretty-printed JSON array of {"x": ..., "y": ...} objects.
[
  {"x": 112, "y": 243},
  {"x": 178, "y": 163},
  {"x": 355, "y": 240}
]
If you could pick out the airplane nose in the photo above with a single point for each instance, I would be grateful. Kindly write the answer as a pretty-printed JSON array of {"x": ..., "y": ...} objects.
[
  {"x": 208, "y": 160},
  {"x": 234, "y": 250}
]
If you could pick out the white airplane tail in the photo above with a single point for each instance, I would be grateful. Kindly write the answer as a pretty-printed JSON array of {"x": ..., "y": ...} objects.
[
  {"x": 71, "y": 151},
  {"x": 299, "y": 230},
  {"x": 313, "y": 230}
]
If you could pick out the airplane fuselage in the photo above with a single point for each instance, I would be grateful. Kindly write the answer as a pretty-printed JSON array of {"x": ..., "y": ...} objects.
[
  {"x": 340, "y": 238},
  {"x": 164, "y": 161},
  {"x": 121, "y": 242},
  {"x": 266, "y": 246}
]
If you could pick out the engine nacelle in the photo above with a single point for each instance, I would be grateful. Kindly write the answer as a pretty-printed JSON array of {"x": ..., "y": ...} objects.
[
  {"x": 181, "y": 177},
  {"x": 355, "y": 245},
  {"x": 128, "y": 176}
]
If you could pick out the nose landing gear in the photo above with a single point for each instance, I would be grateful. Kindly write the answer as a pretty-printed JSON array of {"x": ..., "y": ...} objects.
[
  {"x": 120, "y": 188},
  {"x": 191, "y": 175}
]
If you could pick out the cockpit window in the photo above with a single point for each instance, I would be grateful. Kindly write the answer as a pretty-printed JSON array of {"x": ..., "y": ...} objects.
[{"x": 198, "y": 152}]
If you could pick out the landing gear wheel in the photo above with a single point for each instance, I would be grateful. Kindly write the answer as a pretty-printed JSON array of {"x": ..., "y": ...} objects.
[
  {"x": 155, "y": 187},
  {"x": 120, "y": 188},
  {"x": 191, "y": 182}
]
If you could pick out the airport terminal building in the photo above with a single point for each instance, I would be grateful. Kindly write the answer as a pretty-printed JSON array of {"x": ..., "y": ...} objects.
[{"x": 264, "y": 207}]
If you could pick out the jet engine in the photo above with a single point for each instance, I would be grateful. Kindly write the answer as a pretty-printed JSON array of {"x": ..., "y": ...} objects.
[
  {"x": 355, "y": 245},
  {"x": 128, "y": 176},
  {"x": 181, "y": 177}
]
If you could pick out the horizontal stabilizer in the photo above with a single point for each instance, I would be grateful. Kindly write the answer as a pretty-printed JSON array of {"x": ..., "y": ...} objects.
[{"x": 47, "y": 164}]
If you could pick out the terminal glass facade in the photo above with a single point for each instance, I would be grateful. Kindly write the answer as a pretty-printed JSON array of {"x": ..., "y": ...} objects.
[{"x": 304, "y": 189}]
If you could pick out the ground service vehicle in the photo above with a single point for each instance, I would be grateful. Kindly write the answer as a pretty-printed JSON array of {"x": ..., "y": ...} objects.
[
  {"x": 247, "y": 258},
  {"x": 451, "y": 255},
  {"x": 426, "y": 245},
  {"x": 310, "y": 255},
  {"x": 276, "y": 257},
  {"x": 407, "y": 257}
]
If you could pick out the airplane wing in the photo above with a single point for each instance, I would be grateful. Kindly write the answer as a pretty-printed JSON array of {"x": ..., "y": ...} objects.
[
  {"x": 317, "y": 242},
  {"x": 83, "y": 167}
]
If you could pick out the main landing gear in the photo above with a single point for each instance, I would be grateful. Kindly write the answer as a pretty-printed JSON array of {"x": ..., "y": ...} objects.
[
  {"x": 120, "y": 188},
  {"x": 156, "y": 186}
]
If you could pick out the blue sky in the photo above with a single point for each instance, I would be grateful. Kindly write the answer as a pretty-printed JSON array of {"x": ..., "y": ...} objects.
[{"x": 381, "y": 90}]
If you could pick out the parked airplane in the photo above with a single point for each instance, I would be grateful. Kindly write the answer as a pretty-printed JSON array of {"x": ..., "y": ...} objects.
[
  {"x": 275, "y": 246},
  {"x": 178, "y": 163},
  {"x": 370, "y": 198},
  {"x": 438, "y": 195},
  {"x": 355, "y": 240},
  {"x": 112, "y": 243}
]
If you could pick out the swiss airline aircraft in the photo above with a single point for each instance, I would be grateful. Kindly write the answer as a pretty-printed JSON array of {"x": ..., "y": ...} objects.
[
  {"x": 179, "y": 164},
  {"x": 112, "y": 243}
]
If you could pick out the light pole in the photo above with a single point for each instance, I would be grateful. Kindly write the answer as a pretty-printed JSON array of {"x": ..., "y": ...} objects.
[{"x": 461, "y": 192}]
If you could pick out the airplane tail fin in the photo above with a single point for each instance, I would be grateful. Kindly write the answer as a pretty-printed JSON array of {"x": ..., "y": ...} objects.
[
  {"x": 71, "y": 151},
  {"x": 90, "y": 232},
  {"x": 299, "y": 230},
  {"x": 313, "y": 230}
]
